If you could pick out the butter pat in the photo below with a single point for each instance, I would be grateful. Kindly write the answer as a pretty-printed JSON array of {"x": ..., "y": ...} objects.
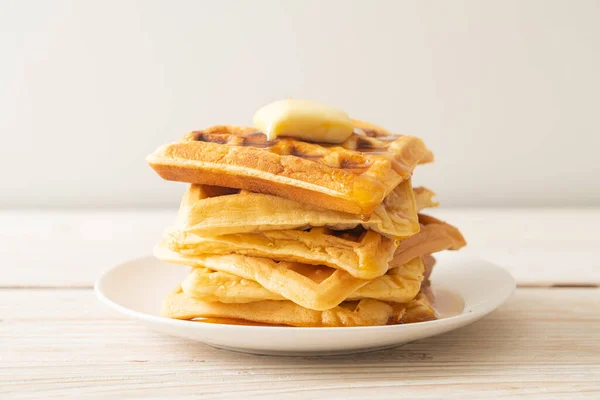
[{"x": 304, "y": 120}]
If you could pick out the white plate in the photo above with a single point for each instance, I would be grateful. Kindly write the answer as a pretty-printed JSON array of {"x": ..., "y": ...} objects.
[{"x": 136, "y": 289}]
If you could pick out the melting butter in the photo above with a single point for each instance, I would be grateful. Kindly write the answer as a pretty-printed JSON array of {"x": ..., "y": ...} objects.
[{"x": 305, "y": 120}]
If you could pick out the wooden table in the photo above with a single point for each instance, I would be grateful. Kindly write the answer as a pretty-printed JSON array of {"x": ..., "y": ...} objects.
[{"x": 57, "y": 340}]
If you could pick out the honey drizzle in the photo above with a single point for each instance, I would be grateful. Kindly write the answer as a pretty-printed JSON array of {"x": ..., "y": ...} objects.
[{"x": 447, "y": 303}]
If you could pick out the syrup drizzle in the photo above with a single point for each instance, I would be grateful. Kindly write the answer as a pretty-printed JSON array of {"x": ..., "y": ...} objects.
[
  {"x": 447, "y": 303},
  {"x": 365, "y": 142}
]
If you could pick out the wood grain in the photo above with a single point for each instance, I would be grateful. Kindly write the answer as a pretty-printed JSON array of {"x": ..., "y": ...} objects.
[
  {"x": 64, "y": 248},
  {"x": 544, "y": 343},
  {"x": 57, "y": 341},
  {"x": 72, "y": 248}
]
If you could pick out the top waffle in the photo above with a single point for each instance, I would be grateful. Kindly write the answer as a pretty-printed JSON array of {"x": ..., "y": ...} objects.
[{"x": 354, "y": 176}]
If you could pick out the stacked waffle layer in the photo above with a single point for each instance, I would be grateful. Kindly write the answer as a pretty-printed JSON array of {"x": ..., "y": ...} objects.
[{"x": 301, "y": 234}]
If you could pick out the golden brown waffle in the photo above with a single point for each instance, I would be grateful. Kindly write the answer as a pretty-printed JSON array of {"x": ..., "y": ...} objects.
[
  {"x": 434, "y": 236},
  {"x": 429, "y": 262},
  {"x": 354, "y": 176},
  {"x": 424, "y": 198},
  {"x": 399, "y": 285},
  {"x": 212, "y": 211},
  {"x": 420, "y": 309},
  {"x": 313, "y": 287},
  {"x": 364, "y": 254},
  {"x": 365, "y": 312},
  {"x": 208, "y": 210}
]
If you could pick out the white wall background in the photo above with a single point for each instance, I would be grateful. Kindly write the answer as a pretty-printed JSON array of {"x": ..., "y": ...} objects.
[{"x": 506, "y": 93}]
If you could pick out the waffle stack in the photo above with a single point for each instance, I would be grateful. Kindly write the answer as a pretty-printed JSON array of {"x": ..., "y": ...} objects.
[{"x": 297, "y": 233}]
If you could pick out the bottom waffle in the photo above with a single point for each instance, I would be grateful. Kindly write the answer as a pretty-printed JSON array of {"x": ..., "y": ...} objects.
[
  {"x": 366, "y": 312},
  {"x": 420, "y": 309}
]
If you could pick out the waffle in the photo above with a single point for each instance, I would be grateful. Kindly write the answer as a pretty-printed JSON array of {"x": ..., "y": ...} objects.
[
  {"x": 363, "y": 254},
  {"x": 434, "y": 236},
  {"x": 212, "y": 211},
  {"x": 354, "y": 176},
  {"x": 420, "y": 309},
  {"x": 399, "y": 285},
  {"x": 424, "y": 198},
  {"x": 429, "y": 262},
  {"x": 313, "y": 287},
  {"x": 365, "y": 312}
]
